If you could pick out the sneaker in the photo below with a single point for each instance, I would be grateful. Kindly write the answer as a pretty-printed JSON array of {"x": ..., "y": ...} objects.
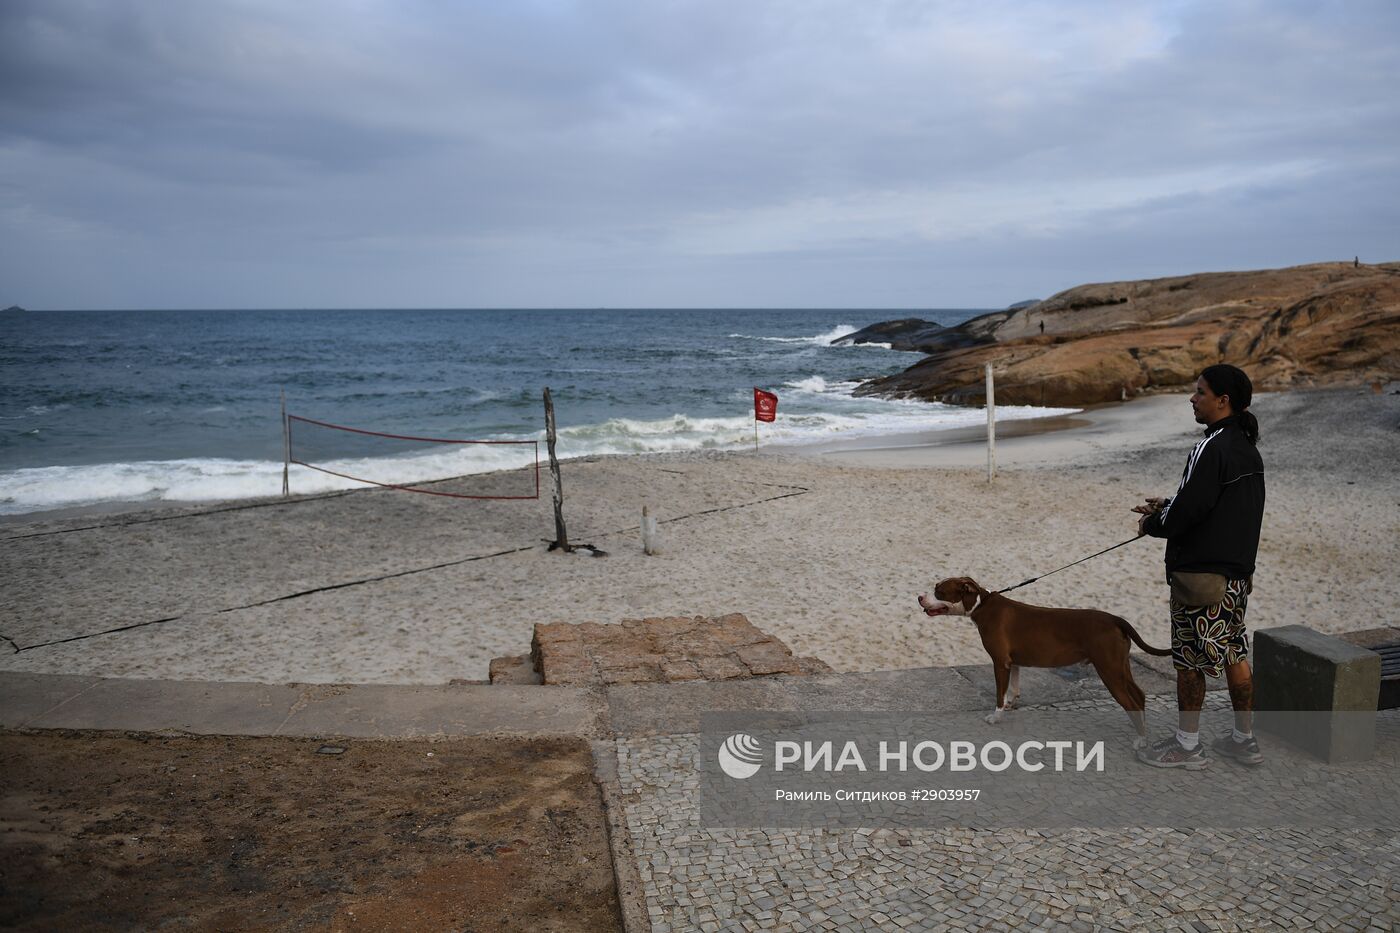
[
  {"x": 1168, "y": 753},
  {"x": 1246, "y": 752}
]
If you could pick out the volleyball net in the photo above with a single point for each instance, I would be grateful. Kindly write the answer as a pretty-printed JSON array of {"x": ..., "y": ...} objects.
[{"x": 434, "y": 466}]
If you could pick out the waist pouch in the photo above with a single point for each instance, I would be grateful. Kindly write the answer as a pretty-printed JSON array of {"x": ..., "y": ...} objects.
[{"x": 1197, "y": 589}]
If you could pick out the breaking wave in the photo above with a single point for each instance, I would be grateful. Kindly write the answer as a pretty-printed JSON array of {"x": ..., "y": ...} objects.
[{"x": 211, "y": 479}]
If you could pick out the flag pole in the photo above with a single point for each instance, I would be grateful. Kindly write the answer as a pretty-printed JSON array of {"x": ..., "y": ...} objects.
[{"x": 755, "y": 434}]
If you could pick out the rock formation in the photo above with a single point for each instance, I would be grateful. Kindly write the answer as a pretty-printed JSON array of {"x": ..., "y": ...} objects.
[
  {"x": 1320, "y": 324},
  {"x": 910, "y": 333}
]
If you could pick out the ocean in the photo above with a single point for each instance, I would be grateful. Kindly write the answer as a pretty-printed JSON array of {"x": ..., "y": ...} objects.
[{"x": 184, "y": 406}]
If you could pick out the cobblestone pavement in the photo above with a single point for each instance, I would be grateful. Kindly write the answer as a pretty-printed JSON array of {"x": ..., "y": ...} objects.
[{"x": 698, "y": 878}]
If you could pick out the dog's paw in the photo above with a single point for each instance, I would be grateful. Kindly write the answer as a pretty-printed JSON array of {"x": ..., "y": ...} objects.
[
  {"x": 1139, "y": 743},
  {"x": 1013, "y": 703},
  {"x": 994, "y": 717}
]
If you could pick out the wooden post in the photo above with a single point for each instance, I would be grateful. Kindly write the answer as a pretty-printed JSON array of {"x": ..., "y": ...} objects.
[
  {"x": 991, "y": 427},
  {"x": 561, "y": 539},
  {"x": 755, "y": 435},
  {"x": 650, "y": 540},
  {"x": 286, "y": 446}
]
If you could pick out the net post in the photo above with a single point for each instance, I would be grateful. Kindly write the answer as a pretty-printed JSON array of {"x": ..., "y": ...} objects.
[
  {"x": 991, "y": 427},
  {"x": 561, "y": 539},
  {"x": 286, "y": 446}
]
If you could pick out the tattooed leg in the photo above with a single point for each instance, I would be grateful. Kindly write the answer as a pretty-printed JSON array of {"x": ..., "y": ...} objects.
[
  {"x": 1241, "y": 684},
  {"x": 1190, "y": 696}
]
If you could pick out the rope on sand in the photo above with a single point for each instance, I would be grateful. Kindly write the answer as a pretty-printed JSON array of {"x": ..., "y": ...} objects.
[
  {"x": 170, "y": 518},
  {"x": 275, "y": 599},
  {"x": 730, "y": 508},
  {"x": 800, "y": 490}
]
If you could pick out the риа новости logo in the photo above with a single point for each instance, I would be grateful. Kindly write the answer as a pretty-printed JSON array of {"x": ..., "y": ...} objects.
[{"x": 740, "y": 756}]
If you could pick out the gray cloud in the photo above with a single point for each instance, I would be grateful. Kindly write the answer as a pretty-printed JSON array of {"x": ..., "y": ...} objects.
[{"x": 228, "y": 154}]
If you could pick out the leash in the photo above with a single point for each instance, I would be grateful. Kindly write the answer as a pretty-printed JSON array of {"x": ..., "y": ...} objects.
[{"x": 1067, "y": 566}]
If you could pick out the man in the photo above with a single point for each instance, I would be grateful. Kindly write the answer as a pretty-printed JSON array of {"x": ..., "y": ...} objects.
[{"x": 1212, "y": 531}]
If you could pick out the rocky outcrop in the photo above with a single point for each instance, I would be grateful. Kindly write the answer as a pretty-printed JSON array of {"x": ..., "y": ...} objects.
[
  {"x": 923, "y": 336},
  {"x": 658, "y": 650},
  {"x": 1320, "y": 324},
  {"x": 908, "y": 333}
]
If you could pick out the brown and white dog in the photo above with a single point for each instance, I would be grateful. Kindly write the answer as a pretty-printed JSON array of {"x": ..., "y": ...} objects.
[{"x": 1018, "y": 635}]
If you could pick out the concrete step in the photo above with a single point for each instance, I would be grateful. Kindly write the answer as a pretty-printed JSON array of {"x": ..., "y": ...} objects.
[{"x": 50, "y": 701}]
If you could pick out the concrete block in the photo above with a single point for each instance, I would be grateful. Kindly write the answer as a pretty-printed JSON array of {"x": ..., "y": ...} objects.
[
  {"x": 1386, "y": 642},
  {"x": 1317, "y": 691}
]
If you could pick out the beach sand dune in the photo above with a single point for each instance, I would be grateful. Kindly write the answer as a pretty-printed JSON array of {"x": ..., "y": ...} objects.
[{"x": 825, "y": 549}]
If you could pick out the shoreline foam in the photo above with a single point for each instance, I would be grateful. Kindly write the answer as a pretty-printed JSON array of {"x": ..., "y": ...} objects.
[{"x": 265, "y": 476}]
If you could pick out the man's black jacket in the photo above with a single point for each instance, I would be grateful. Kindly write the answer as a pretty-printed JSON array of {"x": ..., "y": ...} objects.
[{"x": 1212, "y": 523}]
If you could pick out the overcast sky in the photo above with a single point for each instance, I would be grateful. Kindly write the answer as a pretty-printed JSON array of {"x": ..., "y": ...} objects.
[{"x": 682, "y": 153}]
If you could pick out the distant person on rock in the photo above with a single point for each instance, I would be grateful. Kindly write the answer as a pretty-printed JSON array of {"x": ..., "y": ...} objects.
[
  {"x": 1212, "y": 530},
  {"x": 1042, "y": 328}
]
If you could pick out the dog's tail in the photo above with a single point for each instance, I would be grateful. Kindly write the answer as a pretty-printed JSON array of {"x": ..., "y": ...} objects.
[{"x": 1137, "y": 640}]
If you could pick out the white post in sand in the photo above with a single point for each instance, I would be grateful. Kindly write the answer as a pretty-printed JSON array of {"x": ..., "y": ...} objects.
[
  {"x": 991, "y": 427},
  {"x": 286, "y": 446},
  {"x": 650, "y": 540}
]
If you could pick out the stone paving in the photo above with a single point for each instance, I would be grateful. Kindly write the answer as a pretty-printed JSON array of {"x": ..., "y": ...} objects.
[{"x": 698, "y": 878}]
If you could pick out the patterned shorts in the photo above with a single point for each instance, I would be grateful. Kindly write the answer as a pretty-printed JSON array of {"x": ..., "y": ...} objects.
[{"x": 1211, "y": 638}]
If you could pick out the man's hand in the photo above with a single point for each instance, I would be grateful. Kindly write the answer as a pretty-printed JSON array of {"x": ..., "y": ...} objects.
[{"x": 1152, "y": 505}]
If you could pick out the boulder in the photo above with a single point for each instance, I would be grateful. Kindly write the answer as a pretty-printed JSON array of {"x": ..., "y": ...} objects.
[{"x": 905, "y": 334}]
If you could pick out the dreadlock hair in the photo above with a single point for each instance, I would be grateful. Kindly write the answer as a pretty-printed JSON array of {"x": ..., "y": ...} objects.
[{"x": 1231, "y": 381}]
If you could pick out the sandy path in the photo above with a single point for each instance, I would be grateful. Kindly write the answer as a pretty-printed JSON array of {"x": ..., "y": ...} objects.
[{"x": 832, "y": 569}]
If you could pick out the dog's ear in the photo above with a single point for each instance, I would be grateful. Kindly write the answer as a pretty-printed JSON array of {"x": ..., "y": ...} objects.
[{"x": 968, "y": 591}]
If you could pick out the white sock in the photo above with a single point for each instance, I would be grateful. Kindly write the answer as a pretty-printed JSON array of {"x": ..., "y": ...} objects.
[
  {"x": 1188, "y": 740},
  {"x": 1239, "y": 736}
]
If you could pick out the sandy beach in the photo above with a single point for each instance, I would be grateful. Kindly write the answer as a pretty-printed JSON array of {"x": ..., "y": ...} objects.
[{"x": 824, "y": 547}]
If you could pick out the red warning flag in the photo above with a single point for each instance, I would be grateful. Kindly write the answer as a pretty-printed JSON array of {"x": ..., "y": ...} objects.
[{"x": 765, "y": 405}]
